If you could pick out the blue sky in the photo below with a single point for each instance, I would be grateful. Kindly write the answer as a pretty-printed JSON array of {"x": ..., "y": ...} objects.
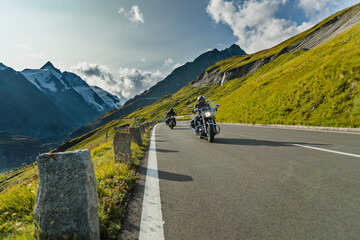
[{"x": 126, "y": 46}]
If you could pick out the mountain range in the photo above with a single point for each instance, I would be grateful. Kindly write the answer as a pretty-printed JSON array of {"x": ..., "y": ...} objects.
[
  {"x": 171, "y": 84},
  {"x": 47, "y": 104}
]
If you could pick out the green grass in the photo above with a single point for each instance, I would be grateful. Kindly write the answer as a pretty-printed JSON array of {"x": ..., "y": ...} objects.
[{"x": 115, "y": 181}]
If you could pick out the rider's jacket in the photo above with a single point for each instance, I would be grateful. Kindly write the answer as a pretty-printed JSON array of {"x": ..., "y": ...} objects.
[
  {"x": 171, "y": 113},
  {"x": 201, "y": 105}
]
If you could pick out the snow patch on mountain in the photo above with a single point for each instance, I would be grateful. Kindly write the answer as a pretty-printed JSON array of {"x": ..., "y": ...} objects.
[
  {"x": 41, "y": 79},
  {"x": 85, "y": 91},
  {"x": 107, "y": 97},
  {"x": 56, "y": 72},
  {"x": 51, "y": 80}
]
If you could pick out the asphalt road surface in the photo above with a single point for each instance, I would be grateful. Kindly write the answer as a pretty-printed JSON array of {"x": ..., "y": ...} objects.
[{"x": 253, "y": 183}]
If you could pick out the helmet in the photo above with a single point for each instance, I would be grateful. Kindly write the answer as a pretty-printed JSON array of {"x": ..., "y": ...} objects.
[
  {"x": 171, "y": 109},
  {"x": 201, "y": 98}
]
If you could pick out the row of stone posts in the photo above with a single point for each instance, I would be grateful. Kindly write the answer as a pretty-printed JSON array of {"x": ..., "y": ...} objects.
[
  {"x": 66, "y": 201},
  {"x": 122, "y": 141}
]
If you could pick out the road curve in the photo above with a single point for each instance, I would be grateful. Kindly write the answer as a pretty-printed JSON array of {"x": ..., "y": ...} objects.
[{"x": 257, "y": 183}]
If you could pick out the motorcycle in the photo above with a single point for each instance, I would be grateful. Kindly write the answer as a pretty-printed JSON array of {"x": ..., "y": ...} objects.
[
  {"x": 172, "y": 122},
  {"x": 206, "y": 127}
]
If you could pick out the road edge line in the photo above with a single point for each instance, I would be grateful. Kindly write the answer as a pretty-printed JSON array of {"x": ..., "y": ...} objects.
[{"x": 151, "y": 226}]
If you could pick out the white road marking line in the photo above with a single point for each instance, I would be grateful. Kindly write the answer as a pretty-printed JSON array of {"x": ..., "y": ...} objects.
[
  {"x": 151, "y": 226},
  {"x": 327, "y": 150}
]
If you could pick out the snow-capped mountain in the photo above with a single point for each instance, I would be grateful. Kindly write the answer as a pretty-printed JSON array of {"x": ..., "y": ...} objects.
[
  {"x": 86, "y": 92},
  {"x": 48, "y": 104},
  {"x": 50, "y": 80}
]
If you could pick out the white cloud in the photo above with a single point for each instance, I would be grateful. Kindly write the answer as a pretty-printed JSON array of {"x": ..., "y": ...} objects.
[
  {"x": 134, "y": 81},
  {"x": 121, "y": 10},
  {"x": 94, "y": 73},
  {"x": 143, "y": 59},
  {"x": 317, "y": 10},
  {"x": 254, "y": 22},
  {"x": 136, "y": 15},
  {"x": 176, "y": 65},
  {"x": 127, "y": 84},
  {"x": 168, "y": 62},
  {"x": 170, "y": 65},
  {"x": 29, "y": 53},
  {"x": 97, "y": 75}
]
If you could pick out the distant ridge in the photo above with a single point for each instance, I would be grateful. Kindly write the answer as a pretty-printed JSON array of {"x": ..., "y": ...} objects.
[{"x": 171, "y": 84}]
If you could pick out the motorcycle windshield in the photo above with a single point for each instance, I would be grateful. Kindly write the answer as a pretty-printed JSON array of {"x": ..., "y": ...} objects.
[{"x": 212, "y": 106}]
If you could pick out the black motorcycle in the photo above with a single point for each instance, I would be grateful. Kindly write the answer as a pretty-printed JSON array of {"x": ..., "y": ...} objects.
[
  {"x": 172, "y": 122},
  {"x": 206, "y": 127}
]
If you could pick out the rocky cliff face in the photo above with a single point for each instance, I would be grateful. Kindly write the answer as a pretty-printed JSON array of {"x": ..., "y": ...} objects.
[{"x": 320, "y": 35}]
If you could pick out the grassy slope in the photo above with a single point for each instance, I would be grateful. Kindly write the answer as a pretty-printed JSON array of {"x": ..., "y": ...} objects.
[
  {"x": 115, "y": 180},
  {"x": 316, "y": 87}
]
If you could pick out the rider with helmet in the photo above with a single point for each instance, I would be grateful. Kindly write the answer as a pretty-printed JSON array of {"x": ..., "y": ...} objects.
[
  {"x": 201, "y": 104},
  {"x": 170, "y": 113}
]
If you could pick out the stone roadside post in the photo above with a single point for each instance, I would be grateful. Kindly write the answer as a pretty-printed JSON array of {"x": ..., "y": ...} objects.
[
  {"x": 122, "y": 147},
  {"x": 66, "y": 201},
  {"x": 136, "y": 135}
]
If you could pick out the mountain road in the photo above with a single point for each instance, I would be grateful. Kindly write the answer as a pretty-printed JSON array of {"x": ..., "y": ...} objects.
[{"x": 251, "y": 183}]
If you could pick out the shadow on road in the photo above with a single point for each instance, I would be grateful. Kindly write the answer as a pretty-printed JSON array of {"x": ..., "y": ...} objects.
[
  {"x": 165, "y": 150},
  {"x": 179, "y": 128},
  {"x": 254, "y": 142},
  {"x": 167, "y": 175}
]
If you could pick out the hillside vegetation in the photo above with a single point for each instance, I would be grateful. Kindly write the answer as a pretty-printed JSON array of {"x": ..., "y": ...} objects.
[{"x": 315, "y": 87}]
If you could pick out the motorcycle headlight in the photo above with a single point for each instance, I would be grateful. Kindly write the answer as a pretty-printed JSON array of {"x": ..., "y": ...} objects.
[{"x": 208, "y": 114}]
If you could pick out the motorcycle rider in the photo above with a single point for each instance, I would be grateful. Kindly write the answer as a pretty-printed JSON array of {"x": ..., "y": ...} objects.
[
  {"x": 201, "y": 104},
  {"x": 170, "y": 113}
]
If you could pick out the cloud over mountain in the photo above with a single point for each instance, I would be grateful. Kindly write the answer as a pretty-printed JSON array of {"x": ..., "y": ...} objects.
[
  {"x": 134, "y": 81},
  {"x": 128, "y": 82},
  {"x": 254, "y": 23}
]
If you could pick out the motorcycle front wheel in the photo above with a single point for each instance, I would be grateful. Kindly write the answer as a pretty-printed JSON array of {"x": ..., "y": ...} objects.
[{"x": 210, "y": 133}]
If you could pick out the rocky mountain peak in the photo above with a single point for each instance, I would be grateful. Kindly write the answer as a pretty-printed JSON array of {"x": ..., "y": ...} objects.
[{"x": 50, "y": 66}]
